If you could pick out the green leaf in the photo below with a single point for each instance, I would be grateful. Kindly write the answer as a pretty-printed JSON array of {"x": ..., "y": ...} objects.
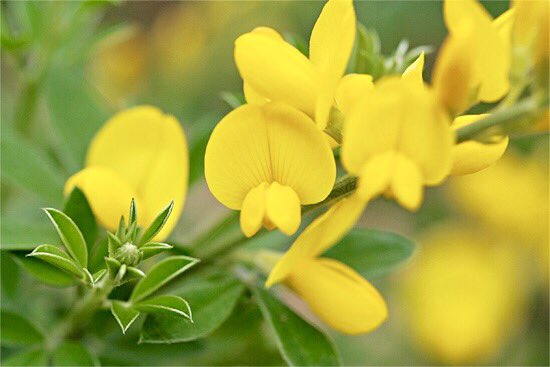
[
  {"x": 9, "y": 275},
  {"x": 134, "y": 273},
  {"x": 78, "y": 208},
  {"x": 372, "y": 252},
  {"x": 76, "y": 122},
  {"x": 17, "y": 330},
  {"x": 157, "y": 224},
  {"x": 166, "y": 304},
  {"x": 113, "y": 243},
  {"x": 113, "y": 265},
  {"x": 160, "y": 274},
  {"x": 212, "y": 301},
  {"x": 56, "y": 257},
  {"x": 124, "y": 314},
  {"x": 25, "y": 166},
  {"x": 70, "y": 235},
  {"x": 299, "y": 343},
  {"x": 233, "y": 100},
  {"x": 45, "y": 272},
  {"x": 153, "y": 248},
  {"x": 132, "y": 218},
  {"x": 34, "y": 357},
  {"x": 17, "y": 235},
  {"x": 73, "y": 353},
  {"x": 99, "y": 275}
]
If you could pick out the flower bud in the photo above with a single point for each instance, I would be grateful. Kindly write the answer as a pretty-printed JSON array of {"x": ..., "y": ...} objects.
[{"x": 128, "y": 254}]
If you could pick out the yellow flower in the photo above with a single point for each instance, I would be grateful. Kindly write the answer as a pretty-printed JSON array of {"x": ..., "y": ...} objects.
[
  {"x": 335, "y": 292},
  {"x": 464, "y": 294},
  {"x": 473, "y": 156},
  {"x": 139, "y": 153},
  {"x": 266, "y": 160},
  {"x": 474, "y": 61},
  {"x": 510, "y": 197},
  {"x": 530, "y": 31},
  {"x": 397, "y": 140},
  {"x": 274, "y": 70},
  {"x": 118, "y": 65}
]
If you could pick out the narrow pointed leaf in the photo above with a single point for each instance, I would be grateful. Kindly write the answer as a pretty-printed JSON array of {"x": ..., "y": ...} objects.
[
  {"x": 153, "y": 248},
  {"x": 99, "y": 275},
  {"x": 134, "y": 273},
  {"x": 17, "y": 330},
  {"x": 124, "y": 314},
  {"x": 78, "y": 208},
  {"x": 44, "y": 272},
  {"x": 132, "y": 218},
  {"x": 160, "y": 274},
  {"x": 299, "y": 343},
  {"x": 157, "y": 224},
  {"x": 212, "y": 300},
  {"x": 70, "y": 235},
  {"x": 166, "y": 304},
  {"x": 113, "y": 265},
  {"x": 56, "y": 257},
  {"x": 113, "y": 243},
  {"x": 120, "y": 232}
]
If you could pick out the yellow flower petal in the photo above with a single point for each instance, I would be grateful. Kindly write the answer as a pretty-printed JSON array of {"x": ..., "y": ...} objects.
[
  {"x": 301, "y": 157},
  {"x": 407, "y": 183},
  {"x": 339, "y": 296},
  {"x": 453, "y": 74},
  {"x": 269, "y": 143},
  {"x": 283, "y": 208},
  {"x": 277, "y": 71},
  {"x": 401, "y": 118},
  {"x": 376, "y": 176},
  {"x": 252, "y": 96},
  {"x": 253, "y": 210},
  {"x": 148, "y": 150},
  {"x": 108, "y": 194},
  {"x": 491, "y": 63},
  {"x": 414, "y": 72},
  {"x": 330, "y": 47},
  {"x": 473, "y": 156},
  {"x": 321, "y": 234},
  {"x": 352, "y": 88}
]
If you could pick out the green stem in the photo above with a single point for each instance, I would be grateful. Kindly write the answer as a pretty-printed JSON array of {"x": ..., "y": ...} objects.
[
  {"x": 81, "y": 313},
  {"x": 519, "y": 111}
]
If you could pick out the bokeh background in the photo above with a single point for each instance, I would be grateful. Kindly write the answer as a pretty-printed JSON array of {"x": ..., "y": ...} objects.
[{"x": 476, "y": 291}]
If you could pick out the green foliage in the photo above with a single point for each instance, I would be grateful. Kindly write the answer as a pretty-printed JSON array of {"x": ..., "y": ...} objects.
[
  {"x": 124, "y": 314},
  {"x": 157, "y": 224},
  {"x": 166, "y": 304},
  {"x": 372, "y": 252},
  {"x": 33, "y": 357},
  {"x": 26, "y": 166},
  {"x": 78, "y": 208},
  {"x": 153, "y": 248},
  {"x": 56, "y": 257},
  {"x": 300, "y": 343},
  {"x": 17, "y": 330},
  {"x": 72, "y": 353},
  {"x": 212, "y": 300},
  {"x": 16, "y": 235},
  {"x": 45, "y": 272},
  {"x": 160, "y": 274},
  {"x": 70, "y": 235}
]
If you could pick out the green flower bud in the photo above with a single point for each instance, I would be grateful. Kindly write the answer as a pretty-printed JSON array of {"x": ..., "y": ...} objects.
[{"x": 128, "y": 254}]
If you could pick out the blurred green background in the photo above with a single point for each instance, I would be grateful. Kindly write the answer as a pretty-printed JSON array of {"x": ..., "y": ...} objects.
[{"x": 65, "y": 71}]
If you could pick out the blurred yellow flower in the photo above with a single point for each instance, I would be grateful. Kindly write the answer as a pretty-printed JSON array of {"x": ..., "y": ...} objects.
[
  {"x": 266, "y": 160},
  {"x": 336, "y": 293},
  {"x": 274, "y": 70},
  {"x": 397, "y": 140},
  {"x": 139, "y": 153},
  {"x": 465, "y": 294},
  {"x": 118, "y": 65},
  {"x": 474, "y": 61},
  {"x": 473, "y": 156},
  {"x": 512, "y": 198},
  {"x": 530, "y": 31}
]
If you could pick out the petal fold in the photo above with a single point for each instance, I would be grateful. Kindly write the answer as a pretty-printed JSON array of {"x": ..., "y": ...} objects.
[
  {"x": 253, "y": 210},
  {"x": 283, "y": 208}
]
